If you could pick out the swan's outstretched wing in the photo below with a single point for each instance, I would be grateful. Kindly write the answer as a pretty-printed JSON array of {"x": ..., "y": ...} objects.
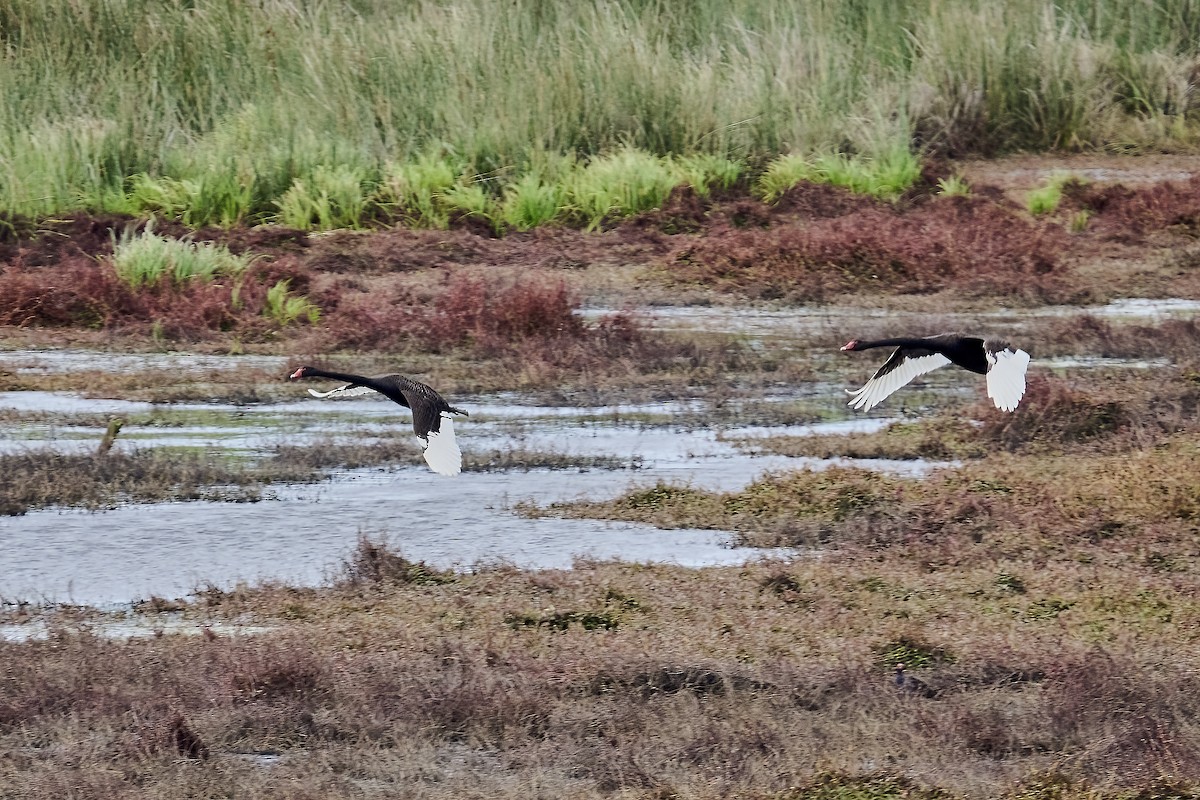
[
  {"x": 430, "y": 416},
  {"x": 441, "y": 451},
  {"x": 1006, "y": 376},
  {"x": 347, "y": 390},
  {"x": 432, "y": 422},
  {"x": 898, "y": 370}
]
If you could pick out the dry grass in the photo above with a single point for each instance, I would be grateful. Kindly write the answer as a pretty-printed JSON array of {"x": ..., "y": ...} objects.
[
  {"x": 37, "y": 479},
  {"x": 1039, "y": 679}
]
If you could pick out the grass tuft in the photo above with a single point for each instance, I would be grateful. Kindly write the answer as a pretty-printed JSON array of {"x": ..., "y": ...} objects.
[
  {"x": 283, "y": 308},
  {"x": 145, "y": 259}
]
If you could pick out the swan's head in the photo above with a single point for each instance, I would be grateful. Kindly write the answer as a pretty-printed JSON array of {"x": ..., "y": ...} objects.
[
  {"x": 298, "y": 374},
  {"x": 851, "y": 345}
]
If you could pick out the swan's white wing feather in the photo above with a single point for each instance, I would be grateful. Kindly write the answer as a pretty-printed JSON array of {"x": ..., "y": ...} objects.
[
  {"x": 1006, "y": 377},
  {"x": 349, "y": 390},
  {"x": 441, "y": 449},
  {"x": 879, "y": 387}
]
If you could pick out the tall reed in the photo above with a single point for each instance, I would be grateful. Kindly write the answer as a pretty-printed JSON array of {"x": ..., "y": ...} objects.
[{"x": 239, "y": 101}]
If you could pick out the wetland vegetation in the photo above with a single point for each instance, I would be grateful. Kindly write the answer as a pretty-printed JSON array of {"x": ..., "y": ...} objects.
[{"x": 497, "y": 202}]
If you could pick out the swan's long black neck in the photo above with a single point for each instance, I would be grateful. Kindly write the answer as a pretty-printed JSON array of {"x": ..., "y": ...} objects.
[
  {"x": 899, "y": 341},
  {"x": 362, "y": 380}
]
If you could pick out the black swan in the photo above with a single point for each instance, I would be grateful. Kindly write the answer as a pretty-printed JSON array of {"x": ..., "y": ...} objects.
[
  {"x": 1003, "y": 366},
  {"x": 432, "y": 420}
]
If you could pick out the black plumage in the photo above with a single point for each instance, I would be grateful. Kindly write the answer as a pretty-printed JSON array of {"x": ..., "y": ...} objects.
[
  {"x": 1003, "y": 365},
  {"x": 428, "y": 408}
]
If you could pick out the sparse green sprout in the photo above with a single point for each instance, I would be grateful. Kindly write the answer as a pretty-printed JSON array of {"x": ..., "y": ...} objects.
[
  {"x": 1045, "y": 200},
  {"x": 1010, "y": 583},
  {"x": 1079, "y": 220},
  {"x": 145, "y": 259},
  {"x": 953, "y": 186},
  {"x": 285, "y": 308},
  {"x": 913, "y": 654}
]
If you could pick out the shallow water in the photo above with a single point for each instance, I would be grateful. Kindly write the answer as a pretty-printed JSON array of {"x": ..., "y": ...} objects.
[
  {"x": 68, "y": 360},
  {"x": 300, "y": 534},
  {"x": 835, "y": 319},
  {"x": 297, "y": 536}
]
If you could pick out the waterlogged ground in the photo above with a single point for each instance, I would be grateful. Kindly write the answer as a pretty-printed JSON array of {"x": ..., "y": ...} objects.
[{"x": 296, "y": 534}]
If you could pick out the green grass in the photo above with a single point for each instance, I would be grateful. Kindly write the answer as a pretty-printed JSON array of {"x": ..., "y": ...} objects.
[
  {"x": 619, "y": 184},
  {"x": 1045, "y": 199},
  {"x": 953, "y": 186},
  {"x": 145, "y": 259},
  {"x": 229, "y": 106},
  {"x": 332, "y": 197},
  {"x": 284, "y": 308},
  {"x": 886, "y": 176}
]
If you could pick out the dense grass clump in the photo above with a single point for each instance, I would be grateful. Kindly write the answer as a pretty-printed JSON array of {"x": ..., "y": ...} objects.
[{"x": 146, "y": 259}]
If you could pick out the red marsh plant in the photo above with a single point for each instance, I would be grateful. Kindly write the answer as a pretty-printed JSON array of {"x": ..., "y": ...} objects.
[
  {"x": 82, "y": 292},
  {"x": 1129, "y": 214},
  {"x": 967, "y": 243},
  {"x": 531, "y": 319}
]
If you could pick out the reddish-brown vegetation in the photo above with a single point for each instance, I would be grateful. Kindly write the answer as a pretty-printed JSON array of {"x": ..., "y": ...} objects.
[
  {"x": 815, "y": 243},
  {"x": 82, "y": 292},
  {"x": 1131, "y": 214},
  {"x": 971, "y": 244}
]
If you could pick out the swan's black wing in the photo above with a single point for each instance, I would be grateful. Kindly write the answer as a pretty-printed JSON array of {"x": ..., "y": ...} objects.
[
  {"x": 426, "y": 404},
  {"x": 431, "y": 421}
]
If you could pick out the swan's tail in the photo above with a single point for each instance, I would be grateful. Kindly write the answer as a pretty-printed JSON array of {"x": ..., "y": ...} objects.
[{"x": 442, "y": 453}]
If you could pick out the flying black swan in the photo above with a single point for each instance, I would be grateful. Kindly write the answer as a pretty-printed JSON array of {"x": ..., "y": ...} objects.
[
  {"x": 432, "y": 420},
  {"x": 1004, "y": 366}
]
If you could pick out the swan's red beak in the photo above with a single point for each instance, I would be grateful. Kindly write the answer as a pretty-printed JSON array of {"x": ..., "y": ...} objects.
[
  {"x": 847, "y": 346},
  {"x": 300, "y": 373}
]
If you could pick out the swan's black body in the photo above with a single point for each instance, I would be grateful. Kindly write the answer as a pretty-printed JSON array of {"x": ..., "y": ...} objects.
[
  {"x": 968, "y": 352},
  {"x": 426, "y": 404}
]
